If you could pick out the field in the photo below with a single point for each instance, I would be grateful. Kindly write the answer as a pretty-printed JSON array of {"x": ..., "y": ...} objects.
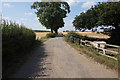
[
  {"x": 40, "y": 34},
  {"x": 91, "y": 34}
]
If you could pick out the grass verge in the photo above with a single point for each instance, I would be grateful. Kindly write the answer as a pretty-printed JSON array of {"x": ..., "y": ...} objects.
[
  {"x": 49, "y": 35},
  {"x": 93, "y": 53},
  {"x": 43, "y": 39}
]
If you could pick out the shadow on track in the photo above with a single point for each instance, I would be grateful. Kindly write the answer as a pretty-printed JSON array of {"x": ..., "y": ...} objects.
[{"x": 35, "y": 66}]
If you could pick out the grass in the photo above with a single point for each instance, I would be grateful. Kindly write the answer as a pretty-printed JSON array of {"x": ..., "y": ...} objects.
[
  {"x": 93, "y": 53},
  {"x": 47, "y": 36},
  {"x": 43, "y": 39}
]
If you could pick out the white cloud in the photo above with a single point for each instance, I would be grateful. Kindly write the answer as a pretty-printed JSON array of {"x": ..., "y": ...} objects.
[
  {"x": 68, "y": 26},
  {"x": 7, "y": 5},
  {"x": 69, "y": 23},
  {"x": 22, "y": 19},
  {"x": 37, "y": 26},
  {"x": 72, "y": 2},
  {"x": 29, "y": 13},
  {"x": 88, "y": 4}
]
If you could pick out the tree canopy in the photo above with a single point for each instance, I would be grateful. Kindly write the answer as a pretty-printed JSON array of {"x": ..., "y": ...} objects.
[
  {"x": 51, "y": 14},
  {"x": 102, "y": 14},
  {"x": 105, "y": 13}
]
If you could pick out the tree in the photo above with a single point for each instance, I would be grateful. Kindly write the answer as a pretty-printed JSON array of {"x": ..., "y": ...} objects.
[
  {"x": 51, "y": 14},
  {"x": 102, "y": 14},
  {"x": 86, "y": 20}
]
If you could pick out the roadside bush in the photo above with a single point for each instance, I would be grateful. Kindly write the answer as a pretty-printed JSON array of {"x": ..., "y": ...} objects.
[
  {"x": 71, "y": 35},
  {"x": 51, "y": 35},
  {"x": 16, "y": 40}
]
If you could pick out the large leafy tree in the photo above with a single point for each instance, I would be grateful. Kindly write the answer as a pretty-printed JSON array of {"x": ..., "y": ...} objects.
[
  {"x": 102, "y": 14},
  {"x": 51, "y": 14}
]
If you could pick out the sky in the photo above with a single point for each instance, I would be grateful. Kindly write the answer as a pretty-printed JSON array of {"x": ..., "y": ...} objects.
[{"x": 21, "y": 13}]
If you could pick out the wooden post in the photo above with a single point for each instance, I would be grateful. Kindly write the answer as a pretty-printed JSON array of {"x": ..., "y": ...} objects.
[
  {"x": 79, "y": 41},
  {"x": 73, "y": 40},
  {"x": 104, "y": 51}
]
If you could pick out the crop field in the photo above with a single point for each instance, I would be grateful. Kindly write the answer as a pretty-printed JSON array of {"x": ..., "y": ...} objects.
[
  {"x": 40, "y": 34},
  {"x": 91, "y": 34}
]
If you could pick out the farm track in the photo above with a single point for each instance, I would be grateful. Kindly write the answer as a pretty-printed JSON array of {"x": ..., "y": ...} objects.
[{"x": 56, "y": 59}]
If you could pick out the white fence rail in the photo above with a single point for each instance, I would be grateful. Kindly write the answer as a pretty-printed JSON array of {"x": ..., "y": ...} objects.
[{"x": 100, "y": 46}]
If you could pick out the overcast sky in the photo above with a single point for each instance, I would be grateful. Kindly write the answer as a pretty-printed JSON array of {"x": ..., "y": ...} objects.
[{"x": 21, "y": 13}]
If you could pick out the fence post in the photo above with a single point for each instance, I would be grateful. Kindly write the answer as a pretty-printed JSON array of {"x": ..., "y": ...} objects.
[
  {"x": 103, "y": 51},
  {"x": 73, "y": 40},
  {"x": 85, "y": 42},
  {"x": 79, "y": 41}
]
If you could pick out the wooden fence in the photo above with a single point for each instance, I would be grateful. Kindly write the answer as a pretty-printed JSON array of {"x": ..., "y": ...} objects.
[{"x": 104, "y": 50}]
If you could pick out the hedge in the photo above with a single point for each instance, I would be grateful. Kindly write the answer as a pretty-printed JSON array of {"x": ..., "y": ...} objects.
[
  {"x": 72, "y": 35},
  {"x": 16, "y": 39}
]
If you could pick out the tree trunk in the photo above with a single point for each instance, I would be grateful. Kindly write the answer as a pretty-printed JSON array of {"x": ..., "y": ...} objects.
[
  {"x": 51, "y": 30},
  {"x": 56, "y": 31}
]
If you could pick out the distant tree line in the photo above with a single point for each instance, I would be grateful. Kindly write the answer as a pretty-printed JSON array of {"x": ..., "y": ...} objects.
[
  {"x": 41, "y": 31},
  {"x": 66, "y": 31}
]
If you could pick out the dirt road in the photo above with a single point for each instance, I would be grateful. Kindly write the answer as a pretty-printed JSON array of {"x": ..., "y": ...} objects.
[{"x": 56, "y": 59}]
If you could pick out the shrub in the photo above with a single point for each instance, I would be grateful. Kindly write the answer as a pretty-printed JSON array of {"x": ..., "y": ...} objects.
[
  {"x": 51, "y": 35},
  {"x": 16, "y": 39},
  {"x": 71, "y": 35}
]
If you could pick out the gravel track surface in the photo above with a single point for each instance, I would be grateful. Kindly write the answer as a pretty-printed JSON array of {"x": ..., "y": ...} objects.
[{"x": 56, "y": 59}]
